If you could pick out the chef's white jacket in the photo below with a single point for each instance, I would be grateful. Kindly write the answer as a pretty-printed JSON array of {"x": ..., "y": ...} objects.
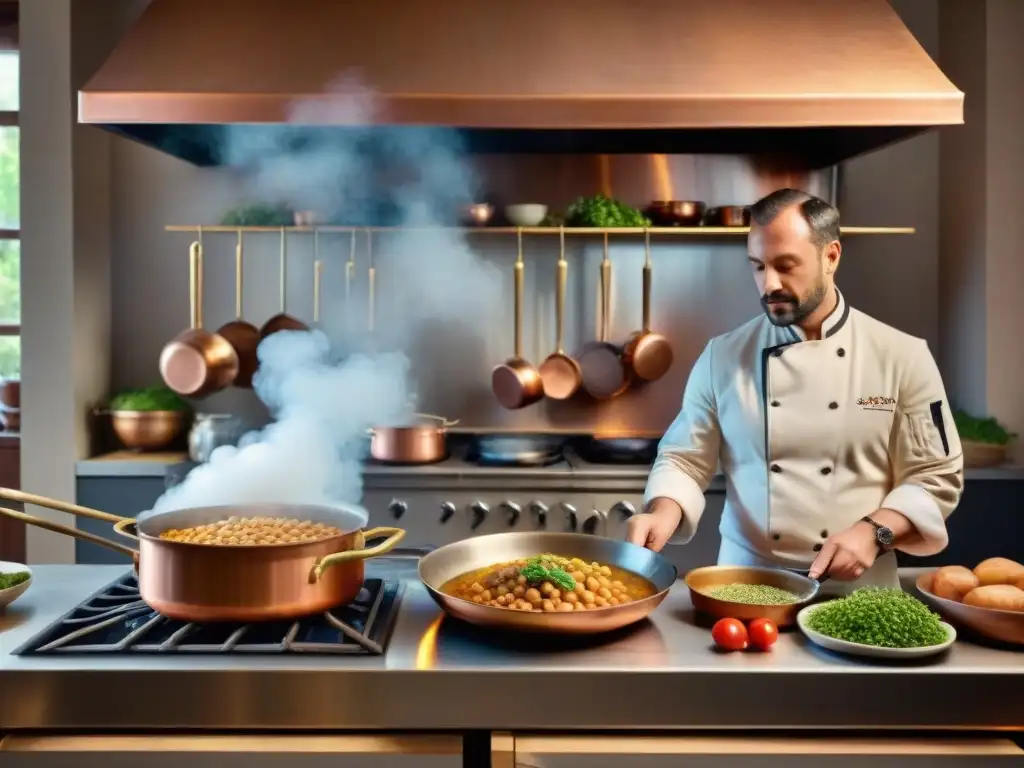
[{"x": 811, "y": 437}]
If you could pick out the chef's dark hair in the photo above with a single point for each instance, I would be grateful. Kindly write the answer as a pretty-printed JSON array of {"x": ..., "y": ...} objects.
[{"x": 821, "y": 217}]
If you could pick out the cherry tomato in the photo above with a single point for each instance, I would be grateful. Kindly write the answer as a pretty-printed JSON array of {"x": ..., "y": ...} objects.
[
  {"x": 730, "y": 634},
  {"x": 763, "y": 633}
]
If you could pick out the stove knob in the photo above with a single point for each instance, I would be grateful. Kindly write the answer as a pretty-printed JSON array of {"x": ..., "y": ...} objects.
[
  {"x": 540, "y": 513},
  {"x": 447, "y": 510},
  {"x": 571, "y": 518},
  {"x": 592, "y": 521},
  {"x": 624, "y": 508},
  {"x": 512, "y": 512},
  {"x": 478, "y": 513},
  {"x": 397, "y": 508}
]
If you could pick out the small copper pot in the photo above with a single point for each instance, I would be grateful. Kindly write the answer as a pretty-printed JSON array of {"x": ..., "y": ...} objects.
[
  {"x": 676, "y": 213},
  {"x": 197, "y": 582},
  {"x": 424, "y": 443}
]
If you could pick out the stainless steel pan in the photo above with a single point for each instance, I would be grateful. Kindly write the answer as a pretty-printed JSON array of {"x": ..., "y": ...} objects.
[{"x": 444, "y": 564}]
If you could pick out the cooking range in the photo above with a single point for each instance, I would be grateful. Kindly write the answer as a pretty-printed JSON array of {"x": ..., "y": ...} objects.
[{"x": 115, "y": 620}]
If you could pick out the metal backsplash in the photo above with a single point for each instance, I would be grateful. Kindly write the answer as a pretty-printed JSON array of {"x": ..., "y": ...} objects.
[{"x": 702, "y": 285}]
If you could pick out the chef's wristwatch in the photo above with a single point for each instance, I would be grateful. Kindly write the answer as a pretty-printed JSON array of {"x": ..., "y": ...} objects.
[{"x": 883, "y": 535}]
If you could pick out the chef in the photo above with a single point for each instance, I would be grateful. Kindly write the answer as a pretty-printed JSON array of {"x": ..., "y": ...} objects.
[{"x": 832, "y": 429}]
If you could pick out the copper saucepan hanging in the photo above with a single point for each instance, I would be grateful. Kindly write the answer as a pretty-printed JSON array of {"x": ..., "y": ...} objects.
[
  {"x": 235, "y": 582},
  {"x": 602, "y": 372},
  {"x": 647, "y": 355},
  {"x": 560, "y": 373},
  {"x": 243, "y": 336},
  {"x": 282, "y": 321},
  {"x": 196, "y": 363},
  {"x": 516, "y": 383}
]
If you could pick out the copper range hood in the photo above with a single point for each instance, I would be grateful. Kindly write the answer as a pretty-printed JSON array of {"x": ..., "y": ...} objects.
[{"x": 822, "y": 79}]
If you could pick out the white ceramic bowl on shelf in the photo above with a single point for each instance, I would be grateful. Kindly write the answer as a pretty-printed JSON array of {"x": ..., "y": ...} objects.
[
  {"x": 8, "y": 596},
  {"x": 526, "y": 214}
]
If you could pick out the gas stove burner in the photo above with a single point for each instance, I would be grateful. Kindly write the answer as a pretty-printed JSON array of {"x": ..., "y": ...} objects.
[
  {"x": 618, "y": 450},
  {"x": 117, "y": 621},
  {"x": 517, "y": 450}
]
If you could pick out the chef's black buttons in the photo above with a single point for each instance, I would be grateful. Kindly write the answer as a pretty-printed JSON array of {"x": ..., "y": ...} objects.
[
  {"x": 776, "y": 468},
  {"x": 841, "y": 352},
  {"x": 816, "y": 547},
  {"x": 777, "y": 352},
  {"x": 833, "y": 405},
  {"x": 776, "y": 536},
  {"x": 826, "y": 470},
  {"x": 824, "y": 534},
  {"x": 776, "y": 403}
]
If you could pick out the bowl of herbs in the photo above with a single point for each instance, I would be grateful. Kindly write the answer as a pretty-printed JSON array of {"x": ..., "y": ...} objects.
[
  {"x": 15, "y": 579},
  {"x": 985, "y": 442},
  {"x": 147, "y": 419}
]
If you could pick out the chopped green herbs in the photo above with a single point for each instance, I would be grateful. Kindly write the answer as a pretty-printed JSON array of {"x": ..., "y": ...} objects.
[
  {"x": 885, "y": 618},
  {"x": 753, "y": 594},
  {"x": 148, "y": 399},
  {"x": 8, "y": 580},
  {"x": 601, "y": 211}
]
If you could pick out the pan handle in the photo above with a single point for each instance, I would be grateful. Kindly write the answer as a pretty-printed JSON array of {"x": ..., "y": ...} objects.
[
  {"x": 121, "y": 529},
  {"x": 360, "y": 552},
  {"x": 68, "y": 531},
  {"x": 61, "y": 506}
]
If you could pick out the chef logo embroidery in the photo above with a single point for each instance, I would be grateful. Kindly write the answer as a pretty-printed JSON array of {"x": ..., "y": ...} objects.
[{"x": 887, "y": 404}]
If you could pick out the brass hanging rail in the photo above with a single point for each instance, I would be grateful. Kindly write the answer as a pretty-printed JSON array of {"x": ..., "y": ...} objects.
[{"x": 670, "y": 231}]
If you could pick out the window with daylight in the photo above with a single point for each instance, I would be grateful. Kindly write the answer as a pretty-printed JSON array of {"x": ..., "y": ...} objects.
[{"x": 10, "y": 219}]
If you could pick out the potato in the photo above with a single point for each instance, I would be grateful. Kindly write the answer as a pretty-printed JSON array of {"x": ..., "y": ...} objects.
[
  {"x": 998, "y": 570},
  {"x": 1001, "y": 597},
  {"x": 952, "y": 582}
]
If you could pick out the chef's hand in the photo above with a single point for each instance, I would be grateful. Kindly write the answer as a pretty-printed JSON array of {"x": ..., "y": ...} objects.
[
  {"x": 655, "y": 527},
  {"x": 848, "y": 554}
]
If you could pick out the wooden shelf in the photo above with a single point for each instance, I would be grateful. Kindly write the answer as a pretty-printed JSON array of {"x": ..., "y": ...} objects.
[{"x": 572, "y": 231}]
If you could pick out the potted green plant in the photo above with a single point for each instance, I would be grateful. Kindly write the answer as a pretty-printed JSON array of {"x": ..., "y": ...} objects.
[
  {"x": 985, "y": 441},
  {"x": 147, "y": 419}
]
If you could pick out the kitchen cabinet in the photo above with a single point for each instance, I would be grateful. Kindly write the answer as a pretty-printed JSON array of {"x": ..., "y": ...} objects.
[
  {"x": 665, "y": 751},
  {"x": 231, "y": 751}
]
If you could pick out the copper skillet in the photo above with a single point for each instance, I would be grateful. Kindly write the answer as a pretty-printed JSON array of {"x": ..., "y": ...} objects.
[
  {"x": 196, "y": 363},
  {"x": 560, "y": 373},
  {"x": 196, "y": 582},
  {"x": 602, "y": 373},
  {"x": 243, "y": 336},
  {"x": 451, "y": 560},
  {"x": 282, "y": 321},
  {"x": 647, "y": 355},
  {"x": 516, "y": 383}
]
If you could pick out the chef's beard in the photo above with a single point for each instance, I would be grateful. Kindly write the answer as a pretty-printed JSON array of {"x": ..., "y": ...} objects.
[{"x": 794, "y": 310}]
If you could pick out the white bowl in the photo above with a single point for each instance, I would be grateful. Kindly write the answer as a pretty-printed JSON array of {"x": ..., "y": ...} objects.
[
  {"x": 8, "y": 596},
  {"x": 874, "y": 651},
  {"x": 526, "y": 214}
]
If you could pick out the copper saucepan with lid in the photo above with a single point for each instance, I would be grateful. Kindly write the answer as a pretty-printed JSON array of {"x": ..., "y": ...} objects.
[{"x": 243, "y": 582}]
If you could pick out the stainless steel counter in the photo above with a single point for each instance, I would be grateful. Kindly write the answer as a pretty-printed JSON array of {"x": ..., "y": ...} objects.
[{"x": 441, "y": 675}]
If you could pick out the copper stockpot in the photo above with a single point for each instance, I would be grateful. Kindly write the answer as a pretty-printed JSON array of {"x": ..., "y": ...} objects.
[
  {"x": 199, "y": 582},
  {"x": 423, "y": 443},
  {"x": 196, "y": 363}
]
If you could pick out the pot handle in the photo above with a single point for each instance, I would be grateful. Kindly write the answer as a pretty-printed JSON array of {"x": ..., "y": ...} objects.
[
  {"x": 119, "y": 529},
  {"x": 69, "y": 531},
  {"x": 445, "y": 423},
  {"x": 359, "y": 551},
  {"x": 11, "y": 494}
]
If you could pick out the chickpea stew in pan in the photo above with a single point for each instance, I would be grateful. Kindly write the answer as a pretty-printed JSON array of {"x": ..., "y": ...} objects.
[
  {"x": 250, "y": 531},
  {"x": 550, "y": 583}
]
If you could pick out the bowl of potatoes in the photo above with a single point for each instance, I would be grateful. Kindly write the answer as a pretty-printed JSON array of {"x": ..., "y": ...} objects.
[{"x": 987, "y": 599}]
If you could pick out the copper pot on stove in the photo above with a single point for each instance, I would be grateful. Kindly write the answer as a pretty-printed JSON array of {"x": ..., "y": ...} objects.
[{"x": 424, "y": 442}]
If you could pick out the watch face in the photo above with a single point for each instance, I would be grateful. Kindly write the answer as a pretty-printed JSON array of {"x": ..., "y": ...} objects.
[{"x": 885, "y": 536}]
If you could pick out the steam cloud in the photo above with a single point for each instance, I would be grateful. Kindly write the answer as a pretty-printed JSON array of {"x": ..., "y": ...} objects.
[{"x": 313, "y": 452}]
